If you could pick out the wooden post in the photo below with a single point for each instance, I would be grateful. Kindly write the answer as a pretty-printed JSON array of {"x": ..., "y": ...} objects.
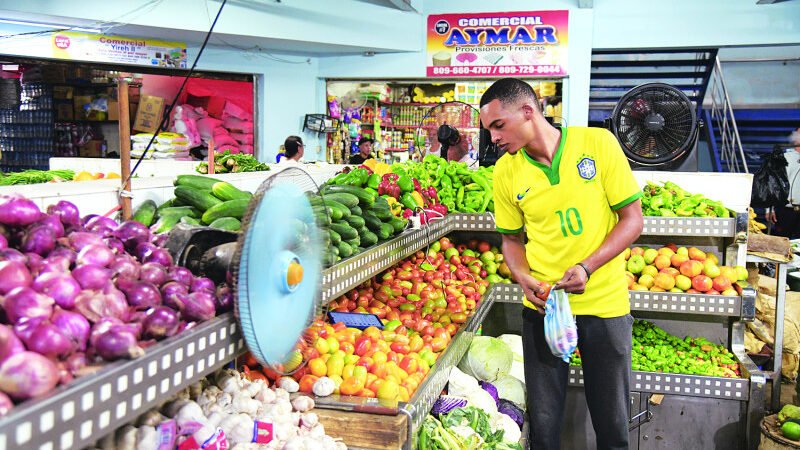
[
  {"x": 124, "y": 146},
  {"x": 211, "y": 162}
]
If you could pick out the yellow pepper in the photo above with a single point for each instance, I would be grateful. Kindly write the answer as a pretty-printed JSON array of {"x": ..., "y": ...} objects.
[
  {"x": 371, "y": 163},
  {"x": 395, "y": 206},
  {"x": 418, "y": 198},
  {"x": 381, "y": 168}
]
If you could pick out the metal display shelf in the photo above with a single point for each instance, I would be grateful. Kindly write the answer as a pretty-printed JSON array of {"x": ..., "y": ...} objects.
[
  {"x": 679, "y": 384},
  {"x": 665, "y": 302},
  {"x": 80, "y": 413}
]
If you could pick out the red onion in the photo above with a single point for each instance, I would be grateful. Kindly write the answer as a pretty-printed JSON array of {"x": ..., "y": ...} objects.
[
  {"x": 142, "y": 250},
  {"x": 25, "y": 302},
  {"x": 16, "y": 210},
  {"x": 73, "y": 325},
  {"x": 141, "y": 295},
  {"x": 115, "y": 245},
  {"x": 95, "y": 305},
  {"x": 5, "y": 404},
  {"x": 27, "y": 375},
  {"x": 160, "y": 322},
  {"x": 132, "y": 233},
  {"x": 159, "y": 256},
  {"x": 66, "y": 212},
  {"x": 26, "y": 326},
  {"x": 159, "y": 239},
  {"x": 33, "y": 261},
  {"x": 97, "y": 254},
  {"x": 153, "y": 273},
  {"x": 13, "y": 274},
  {"x": 176, "y": 300},
  {"x": 61, "y": 287},
  {"x": 125, "y": 266},
  {"x": 85, "y": 219},
  {"x": 39, "y": 239},
  {"x": 102, "y": 226},
  {"x": 53, "y": 224},
  {"x": 64, "y": 252},
  {"x": 203, "y": 284},
  {"x": 64, "y": 374},
  {"x": 181, "y": 275},
  {"x": 9, "y": 343},
  {"x": 91, "y": 276},
  {"x": 224, "y": 298},
  {"x": 48, "y": 340},
  {"x": 200, "y": 306},
  {"x": 76, "y": 362},
  {"x": 80, "y": 239},
  {"x": 10, "y": 254},
  {"x": 116, "y": 343},
  {"x": 53, "y": 264},
  {"x": 3, "y": 242},
  {"x": 173, "y": 287}
]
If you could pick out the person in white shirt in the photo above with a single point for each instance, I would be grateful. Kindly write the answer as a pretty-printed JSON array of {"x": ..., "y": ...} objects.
[
  {"x": 293, "y": 151},
  {"x": 461, "y": 152},
  {"x": 786, "y": 219}
]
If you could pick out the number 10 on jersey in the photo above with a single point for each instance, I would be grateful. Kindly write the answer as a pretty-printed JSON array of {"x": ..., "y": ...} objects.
[{"x": 570, "y": 222}]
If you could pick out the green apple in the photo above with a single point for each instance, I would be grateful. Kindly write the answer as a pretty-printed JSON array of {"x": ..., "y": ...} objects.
[
  {"x": 487, "y": 257},
  {"x": 490, "y": 267},
  {"x": 469, "y": 252},
  {"x": 650, "y": 255},
  {"x": 636, "y": 264},
  {"x": 450, "y": 252},
  {"x": 683, "y": 282}
]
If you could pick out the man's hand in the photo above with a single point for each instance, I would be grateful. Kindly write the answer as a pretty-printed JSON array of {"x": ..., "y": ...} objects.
[
  {"x": 771, "y": 216},
  {"x": 535, "y": 291},
  {"x": 573, "y": 281}
]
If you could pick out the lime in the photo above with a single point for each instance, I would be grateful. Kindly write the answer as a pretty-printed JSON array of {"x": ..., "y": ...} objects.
[{"x": 791, "y": 430}]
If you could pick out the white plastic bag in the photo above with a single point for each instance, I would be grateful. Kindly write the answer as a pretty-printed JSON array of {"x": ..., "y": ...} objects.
[{"x": 559, "y": 325}]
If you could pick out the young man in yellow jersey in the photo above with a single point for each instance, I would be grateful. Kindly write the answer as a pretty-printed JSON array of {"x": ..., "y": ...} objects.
[{"x": 571, "y": 192}]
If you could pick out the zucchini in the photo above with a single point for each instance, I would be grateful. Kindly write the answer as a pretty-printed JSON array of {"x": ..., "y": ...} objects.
[
  {"x": 343, "y": 211},
  {"x": 345, "y": 250},
  {"x": 226, "y": 223},
  {"x": 180, "y": 211},
  {"x": 371, "y": 221},
  {"x": 386, "y": 231},
  {"x": 398, "y": 224},
  {"x": 344, "y": 230},
  {"x": 202, "y": 200},
  {"x": 355, "y": 221},
  {"x": 145, "y": 213},
  {"x": 369, "y": 239},
  {"x": 356, "y": 211},
  {"x": 196, "y": 181},
  {"x": 231, "y": 208},
  {"x": 348, "y": 200},
  {"x": 165, "y": 223},
  {"x": 335, "y": 237},
  {"x": 190, "y": 221},
  {"x": 226, "y": 191},
  {"x": 355, "y": 242},
  {"x": 365, "y": 198}
]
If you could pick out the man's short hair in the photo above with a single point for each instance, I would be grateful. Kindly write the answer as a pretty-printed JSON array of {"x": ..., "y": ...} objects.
[{"x": 509, "y": 91}]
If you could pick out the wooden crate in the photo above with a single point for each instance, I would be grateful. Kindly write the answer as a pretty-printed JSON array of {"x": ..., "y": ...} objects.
[{"x": 362, "y": 430}]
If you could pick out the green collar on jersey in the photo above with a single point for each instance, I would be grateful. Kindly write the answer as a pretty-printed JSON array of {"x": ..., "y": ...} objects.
[{"x": 552, "y": 171}]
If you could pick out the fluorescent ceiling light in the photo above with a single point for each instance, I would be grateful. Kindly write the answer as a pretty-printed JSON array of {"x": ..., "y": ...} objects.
[{"x": 51, "y": 26}]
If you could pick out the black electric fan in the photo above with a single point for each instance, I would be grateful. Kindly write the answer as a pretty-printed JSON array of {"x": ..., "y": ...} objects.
[
  {"x": 657, "y": 128},
  {"x": 442, "y": 126}
]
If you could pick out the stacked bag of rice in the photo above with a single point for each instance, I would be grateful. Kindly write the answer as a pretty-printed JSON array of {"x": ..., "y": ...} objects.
[{"x": 167, "y": 145}]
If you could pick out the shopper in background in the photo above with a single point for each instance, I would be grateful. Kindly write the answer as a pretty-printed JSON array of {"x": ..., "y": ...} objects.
[
  {"x": 293, "y": 150},
  {"x": 364, "y": 151},
  {"x": 786, "y": 219},
  {"x": 572, "y": 193},
  {"x": 460, "y": 151}
]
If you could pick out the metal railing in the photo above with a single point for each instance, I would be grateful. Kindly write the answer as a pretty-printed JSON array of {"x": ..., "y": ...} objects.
[{"x": 730, "y": 151}]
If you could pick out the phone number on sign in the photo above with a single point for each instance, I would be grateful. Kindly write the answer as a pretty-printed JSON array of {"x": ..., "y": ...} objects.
[{"x": 494, "y": 70}]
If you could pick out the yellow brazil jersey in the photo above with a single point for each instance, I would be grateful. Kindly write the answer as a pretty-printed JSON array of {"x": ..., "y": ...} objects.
[{"x": 567, "y": 210}]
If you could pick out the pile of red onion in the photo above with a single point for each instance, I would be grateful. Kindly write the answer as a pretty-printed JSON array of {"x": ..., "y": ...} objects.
[{"x": 79, "y": 291}]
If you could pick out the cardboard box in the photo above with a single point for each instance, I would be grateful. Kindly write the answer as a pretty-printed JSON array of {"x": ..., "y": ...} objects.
[
  {"x": 213, "y": 105},
  {"x": 65, "y": 111},
  {"x": 148, "y": 116},
  {"x": 113, "y": 110},
  {"x": 92, "y": 149},
  {"x": 63, "y": 92}
]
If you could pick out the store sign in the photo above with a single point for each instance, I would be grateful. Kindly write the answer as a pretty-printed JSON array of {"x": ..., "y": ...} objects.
[
  {"x": 75, "y": 46},
  {"x": 118, "y": 49},
  {"x": 523, "y": 43}
]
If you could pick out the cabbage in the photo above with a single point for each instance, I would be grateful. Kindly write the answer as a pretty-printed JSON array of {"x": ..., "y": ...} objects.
[
  {"x": 511, "y": 432},
  {"x": 515, "y": 342},
  {"x": 511, "y": 389},
  {"x": 508, "y": 408},
  {"x": 518, "y": 371},
  {"x": 482, "y": 400},
  {"x": 461, "y": 384},
  {"x": 487, "y": 358}
]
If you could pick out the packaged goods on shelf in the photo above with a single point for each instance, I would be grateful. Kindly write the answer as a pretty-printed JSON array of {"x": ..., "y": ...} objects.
[{"x": 166, "y": 145}]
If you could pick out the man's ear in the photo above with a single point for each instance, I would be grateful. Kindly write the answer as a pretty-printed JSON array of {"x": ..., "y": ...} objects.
[{"x": 528, "y": 110}]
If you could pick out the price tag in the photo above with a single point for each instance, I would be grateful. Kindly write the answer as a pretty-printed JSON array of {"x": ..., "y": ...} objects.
[{"x": 262, "y": 432}]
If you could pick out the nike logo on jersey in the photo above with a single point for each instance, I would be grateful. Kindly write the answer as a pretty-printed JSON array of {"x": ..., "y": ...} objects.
[{"x": 521, "y": 196}]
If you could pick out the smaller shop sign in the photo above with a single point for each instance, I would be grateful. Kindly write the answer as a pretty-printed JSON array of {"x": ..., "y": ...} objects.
[
  {"x": 77, "y": 46},
  {"x": 498, "y": 44}
]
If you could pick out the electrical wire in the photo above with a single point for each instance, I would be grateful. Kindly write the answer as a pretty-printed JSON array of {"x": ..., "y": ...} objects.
[{"x": 165, "y": 118}]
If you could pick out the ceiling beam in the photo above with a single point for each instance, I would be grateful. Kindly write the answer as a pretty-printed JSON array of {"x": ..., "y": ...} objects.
[
  {"x": 769, "y": 2},
  {"x": 585, "y": 3}
]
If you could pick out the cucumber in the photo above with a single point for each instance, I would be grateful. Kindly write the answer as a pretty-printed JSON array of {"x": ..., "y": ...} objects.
[
  {"x": 343, "y": 211},
  {"x": 369, "y": 239},
  {"x": 180, "y": 211},
  {"x": 348, "y": 200},
  {"x": 202, "y": 200},
  {"x": 226, "y": 191},
  {"x": 365, "y": 198},
  {"x": 226, "y": 223},
  {"x": 145, "y": 213},
  {"x": 356, "y": 211},
  {"x": 371, "y": 221},
  {"x": 386, "y": 231},
  {"x": 344, "y": 230},
  {"x": 329, "y": 258},
  {"x": 167, "y": 204},
  {"x": 323, "y": 214},
  {"x": 189, "y": 221},
  {"x": 231, "y": 208},
  {"x": 335, "y": 237},
  {"x": 355, "y": 242},
  {"x": 335, "y": 250},
  {"x": 355, "y": 221},
  {"x": 314, "y": 199},
  {"x": 165, "y": 223},
  {"x": 345, "y": 250},
  {"x": 398, "y": 224},
  {"x": 196, "y": 181}
]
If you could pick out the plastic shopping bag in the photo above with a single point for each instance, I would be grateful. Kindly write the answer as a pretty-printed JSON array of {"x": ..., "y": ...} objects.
[{"x": 560, "y": 330}]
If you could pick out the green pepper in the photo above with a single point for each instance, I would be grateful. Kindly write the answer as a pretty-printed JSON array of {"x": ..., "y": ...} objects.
[
  {"x": 373, "y": 181},
  {"x": 460, "y": 195},
  {"x": 405, "y": 183},
  {"x": 341, "y": 178},
  {"x": 399, "y": 170},
  {"x": 408, "y": 201},
  {"x": 374, "y": 192},
  {"x": 445, "y": 182}
]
